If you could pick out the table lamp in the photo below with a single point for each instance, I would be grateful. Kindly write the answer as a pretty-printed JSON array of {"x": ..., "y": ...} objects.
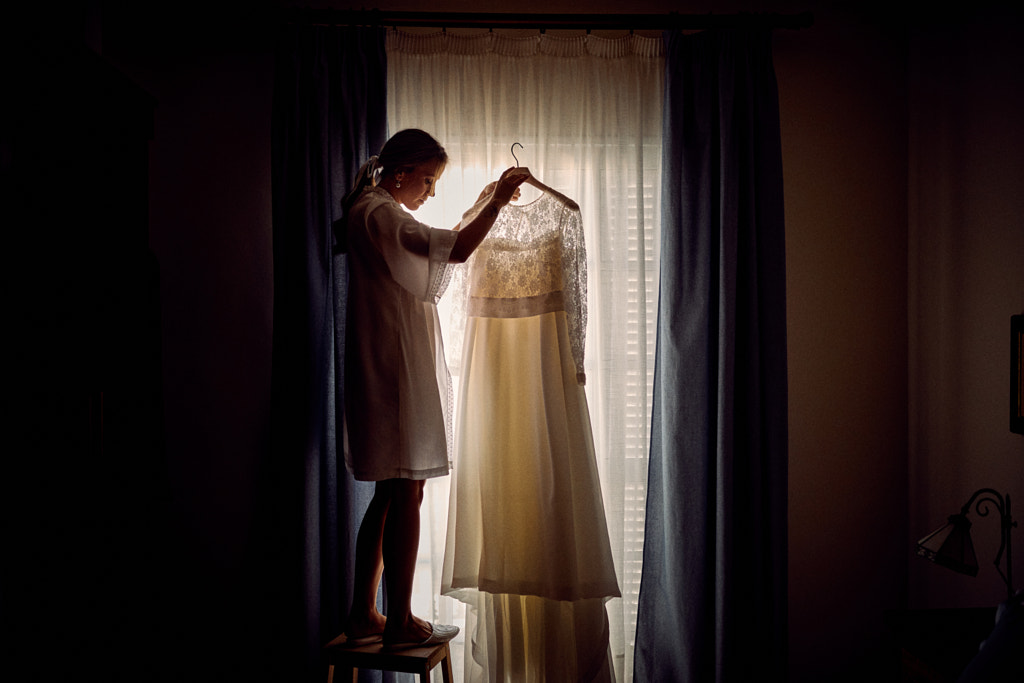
[{"x": 951, "y": 545}]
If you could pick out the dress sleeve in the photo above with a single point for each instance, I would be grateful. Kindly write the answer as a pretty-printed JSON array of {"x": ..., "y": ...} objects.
[
  {"x": 416, "y": 254},
  {"x": 574, "y": 281}
]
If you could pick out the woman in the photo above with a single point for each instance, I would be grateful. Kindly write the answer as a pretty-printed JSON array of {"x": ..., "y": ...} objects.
[{"x": 396, "y": 381}]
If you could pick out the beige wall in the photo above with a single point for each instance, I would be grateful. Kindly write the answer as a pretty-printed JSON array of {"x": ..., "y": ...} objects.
[
  {"x": 844, "y": 135},
  {"x": 966, "y": 276},
  {"x": 905, "y": 260}
]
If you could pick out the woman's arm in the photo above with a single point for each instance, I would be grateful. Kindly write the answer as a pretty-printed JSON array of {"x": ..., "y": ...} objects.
[{"x": 471, "y": 235}]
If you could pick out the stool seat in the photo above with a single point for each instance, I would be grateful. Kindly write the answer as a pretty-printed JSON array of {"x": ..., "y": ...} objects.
[{"x": 414, "y": 660}]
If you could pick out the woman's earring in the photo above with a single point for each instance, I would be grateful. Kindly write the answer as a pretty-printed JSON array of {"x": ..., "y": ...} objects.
[{"x": 398, "y": 183}]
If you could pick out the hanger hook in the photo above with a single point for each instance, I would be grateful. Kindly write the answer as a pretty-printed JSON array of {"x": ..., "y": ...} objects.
[{"x": 514, "y": 152}]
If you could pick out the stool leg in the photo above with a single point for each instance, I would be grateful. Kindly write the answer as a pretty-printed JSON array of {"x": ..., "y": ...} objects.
[
  {"x": 446, "y": 668},
  {"x": 349, "y": 673}
]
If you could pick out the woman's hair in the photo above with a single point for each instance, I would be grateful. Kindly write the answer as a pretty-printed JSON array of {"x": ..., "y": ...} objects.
[{"x": 405, "y": 150}]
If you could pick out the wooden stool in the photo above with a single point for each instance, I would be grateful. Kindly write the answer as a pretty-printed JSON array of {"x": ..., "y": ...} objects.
[{"x": 415, "y": 660}]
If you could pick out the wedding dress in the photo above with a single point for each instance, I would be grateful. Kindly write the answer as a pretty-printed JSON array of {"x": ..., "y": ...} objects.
[{"x": 527, "y": 546}]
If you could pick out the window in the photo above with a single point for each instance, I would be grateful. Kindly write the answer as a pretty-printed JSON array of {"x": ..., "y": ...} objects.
[{"x": 588, "y": 114}]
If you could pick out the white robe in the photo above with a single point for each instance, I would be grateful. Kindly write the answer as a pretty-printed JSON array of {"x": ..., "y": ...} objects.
[{"x": 397, "y": 387}]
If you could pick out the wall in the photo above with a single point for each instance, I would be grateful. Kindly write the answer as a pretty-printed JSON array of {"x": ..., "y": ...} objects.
[
  {"x": 966, "y": 279},
  {"x": 844, "y": 135},
  {"x": 210, "y": 228},
  {"x": 869, "y": 350}
]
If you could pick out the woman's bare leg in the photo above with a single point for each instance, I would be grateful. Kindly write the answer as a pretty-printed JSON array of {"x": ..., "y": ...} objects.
[
  {"x": 364, "y": 619},
  {"x": 400, "y": 547}
]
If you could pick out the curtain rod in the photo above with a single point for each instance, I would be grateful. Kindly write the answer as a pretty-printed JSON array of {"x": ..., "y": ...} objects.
[{"x": 641, "y": 22}]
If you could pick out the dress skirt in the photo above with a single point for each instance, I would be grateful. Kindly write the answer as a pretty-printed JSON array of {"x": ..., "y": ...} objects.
[{"x": 527, "y": 546}]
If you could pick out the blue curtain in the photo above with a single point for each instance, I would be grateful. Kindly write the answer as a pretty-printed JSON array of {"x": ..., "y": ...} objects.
[
  {"x": 329, "y": 115},
  {"x": 713, "y": 590}
]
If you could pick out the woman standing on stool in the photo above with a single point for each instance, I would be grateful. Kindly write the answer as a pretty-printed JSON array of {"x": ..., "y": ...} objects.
[{"x": 396, "y": 381}]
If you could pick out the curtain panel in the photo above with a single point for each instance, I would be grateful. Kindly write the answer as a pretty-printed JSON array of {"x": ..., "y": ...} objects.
[
  {"x": 712, "y": 601},
  {"x": 328, "y": 117}
]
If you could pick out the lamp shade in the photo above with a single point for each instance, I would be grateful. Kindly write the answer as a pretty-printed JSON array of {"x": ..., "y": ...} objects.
[{"x": 951, "y": 546}]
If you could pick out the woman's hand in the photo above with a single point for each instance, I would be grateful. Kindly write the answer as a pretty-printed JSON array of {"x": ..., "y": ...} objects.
[
  {"x": 499, "y": 193},
  {"x": 506, "y": 188}
]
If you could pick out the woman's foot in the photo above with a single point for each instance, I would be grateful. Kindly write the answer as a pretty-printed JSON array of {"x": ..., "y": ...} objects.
[
  {"x": 410, "y": 630},
  {"x": 367, "y": 629}
]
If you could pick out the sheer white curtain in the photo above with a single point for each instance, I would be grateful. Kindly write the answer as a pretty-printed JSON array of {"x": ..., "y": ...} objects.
[{"x": 587, "y": 112}]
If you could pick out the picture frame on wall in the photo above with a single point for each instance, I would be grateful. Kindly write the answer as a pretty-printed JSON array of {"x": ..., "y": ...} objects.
[{"x": 1017, "y": 374}]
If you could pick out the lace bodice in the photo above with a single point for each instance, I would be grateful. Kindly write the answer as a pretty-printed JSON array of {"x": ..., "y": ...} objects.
[{"x": 533, "y": 261}]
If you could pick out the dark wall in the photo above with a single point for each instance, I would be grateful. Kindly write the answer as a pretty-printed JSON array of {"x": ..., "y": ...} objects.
[
  {"x": 137, "y": 303},
  {"x": 84, "y": 487}
]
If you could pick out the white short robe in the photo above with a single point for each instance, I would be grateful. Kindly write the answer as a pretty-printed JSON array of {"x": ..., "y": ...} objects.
[{"x": 397, "y": 388}]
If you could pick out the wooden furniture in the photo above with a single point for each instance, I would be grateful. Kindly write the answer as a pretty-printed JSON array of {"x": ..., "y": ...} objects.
[{"x": 415, "y": 660}]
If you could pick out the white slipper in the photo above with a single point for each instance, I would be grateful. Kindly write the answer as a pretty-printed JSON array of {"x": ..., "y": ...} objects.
[{"x": 439, "y": 633}]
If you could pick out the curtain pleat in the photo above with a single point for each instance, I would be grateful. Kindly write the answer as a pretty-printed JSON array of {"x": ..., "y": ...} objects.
[
  {"x": 329, "y": 115},
  {"x": 712, "y": 603}
]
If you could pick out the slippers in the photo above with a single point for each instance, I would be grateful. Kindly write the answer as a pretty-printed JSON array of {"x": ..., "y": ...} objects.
[{"x": 440, "y": 633}]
